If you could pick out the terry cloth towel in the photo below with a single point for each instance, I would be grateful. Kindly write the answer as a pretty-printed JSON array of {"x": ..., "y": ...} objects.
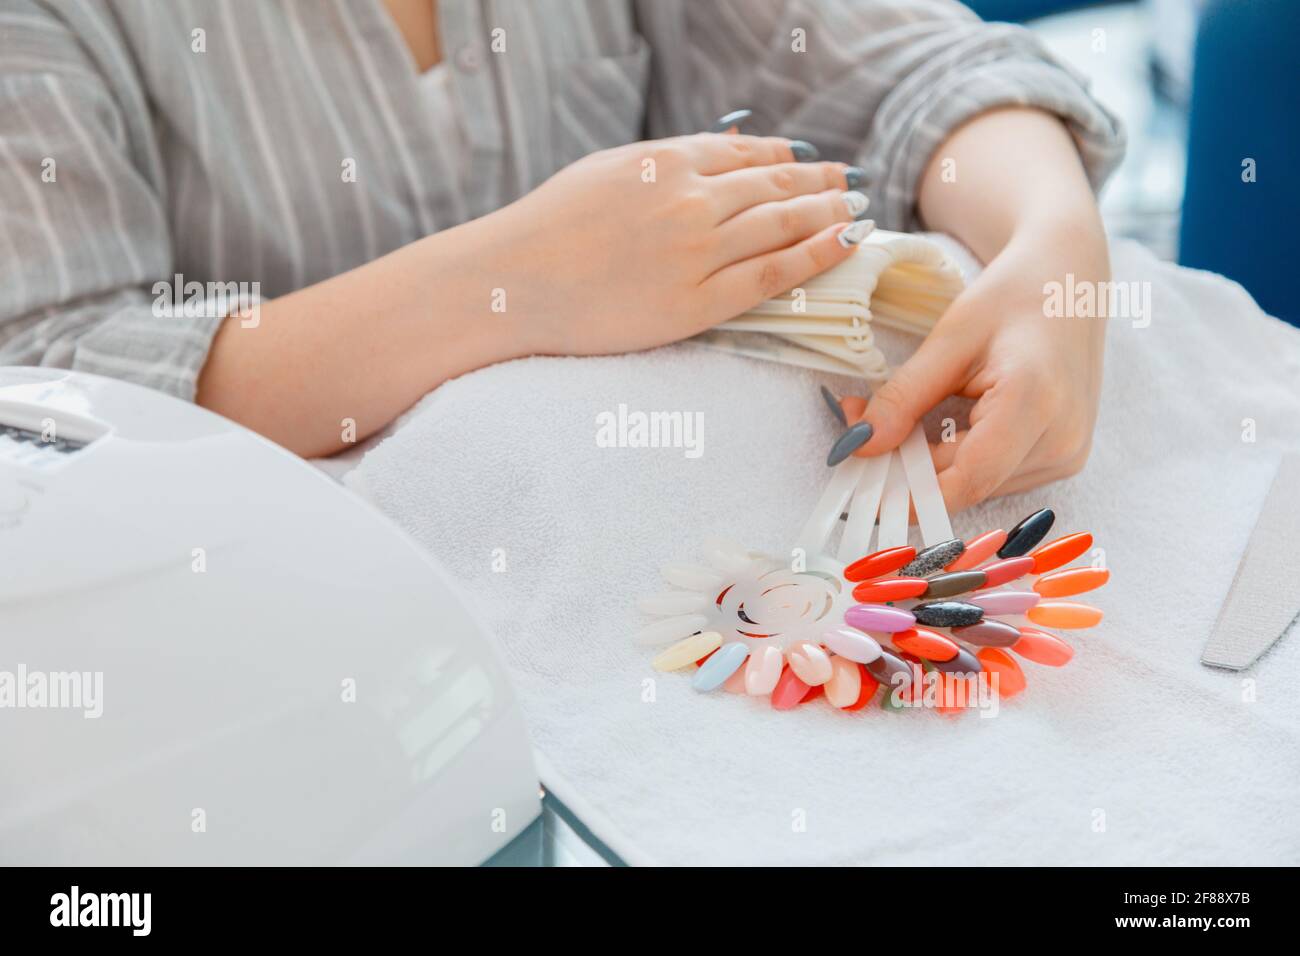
[{"x": 1134, "y": 753}]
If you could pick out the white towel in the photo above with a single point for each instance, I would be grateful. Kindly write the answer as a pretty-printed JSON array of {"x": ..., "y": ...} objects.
[{"x": 1134, "y": 753}]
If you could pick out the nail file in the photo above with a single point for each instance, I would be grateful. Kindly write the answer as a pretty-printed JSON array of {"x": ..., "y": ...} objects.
[{"x": 1264, "y": 599}]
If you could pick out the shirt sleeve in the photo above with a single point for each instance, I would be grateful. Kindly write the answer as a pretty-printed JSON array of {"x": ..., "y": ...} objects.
[
  {"x": 83, "y": 232},
  {"x": 881, "y": 83}
]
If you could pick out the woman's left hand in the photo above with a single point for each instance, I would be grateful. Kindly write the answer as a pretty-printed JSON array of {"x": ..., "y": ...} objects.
[{"x": 1035, "y": 377}]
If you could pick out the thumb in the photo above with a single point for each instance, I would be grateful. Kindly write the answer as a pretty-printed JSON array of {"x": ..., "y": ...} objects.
[{"x": 935, "y": 371}]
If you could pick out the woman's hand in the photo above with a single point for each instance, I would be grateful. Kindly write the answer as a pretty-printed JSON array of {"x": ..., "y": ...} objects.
[
  {"x": 1035, "y": 379},
  {"x": 648, "y": 243}
]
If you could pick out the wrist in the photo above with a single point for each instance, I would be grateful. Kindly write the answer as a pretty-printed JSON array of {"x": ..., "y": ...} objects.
[{"x": 472, "y": 277}]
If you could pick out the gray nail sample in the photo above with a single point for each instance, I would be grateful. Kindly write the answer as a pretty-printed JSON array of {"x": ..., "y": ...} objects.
[
  {"x": 803, "y": 151},
  {"x": 932, "y": 559},
  {"x": 948, "y": 614},
  {"x": 855, "y": 176},
  {"x": 854, "y": 437},
  {"x": 1026, "y": 535},
  {"x": 884, "y": 667},
  {"x": 964, "y": 663},
  {"x": 833, "y": 404},
  {"x": 955, "y": 582},
  {"x": 734, "y": 118},
  {"x": 988, "y": 633}
]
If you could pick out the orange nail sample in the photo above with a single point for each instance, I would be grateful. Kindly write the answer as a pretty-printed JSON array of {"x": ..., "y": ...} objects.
[
  {"x": 1071, "y": 581},
  {"x": 881, "y": 562},
  {"x": 1042, "y": 648},
  {"x": 923, "y": 642},
  {"x": 997, "y": 662},
  {"x": 1060, "y": 552},
  {"x": 1064, "y": 614},
  {"x": 979, "y": 549},
  {"x": 890, "y": 589}
]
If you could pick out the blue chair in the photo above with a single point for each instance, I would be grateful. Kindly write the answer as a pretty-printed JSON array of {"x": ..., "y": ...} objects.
[{"x": 1246, "y": 107}]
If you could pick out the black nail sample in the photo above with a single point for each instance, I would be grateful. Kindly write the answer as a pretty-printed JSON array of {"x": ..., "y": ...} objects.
[
  {"x": 853, "y": 438},
  {"x": 1025, "y": 536},
  {"x": 948, "y": 614}
]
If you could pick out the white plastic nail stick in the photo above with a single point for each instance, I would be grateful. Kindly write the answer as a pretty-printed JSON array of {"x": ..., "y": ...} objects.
[
  {"x": 856, "y": 540},
  {"x": 923, "y": 483},
  {"x": 893, "y": 507},
  {"x": 817, "y": 531}
]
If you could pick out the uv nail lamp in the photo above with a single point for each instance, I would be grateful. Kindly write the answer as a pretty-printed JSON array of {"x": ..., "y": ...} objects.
[{"x": 212, "y": 654}]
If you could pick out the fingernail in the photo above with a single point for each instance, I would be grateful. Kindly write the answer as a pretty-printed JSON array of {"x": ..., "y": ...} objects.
[
  {"x": 856, "y": 203},
  {"x": 833, "y": 404},
  {"x": 855, "y": 232},
  {"x": 852, "y": 439},
  {"x": 855, "y": 176},
  {"x": 734, "y": 118},
  {"x": 804, "y": 152}
]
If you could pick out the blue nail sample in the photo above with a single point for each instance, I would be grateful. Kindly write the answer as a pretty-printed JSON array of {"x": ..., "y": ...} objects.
[
  {"x": 724, "y": 662},
  {"x": 833, "y": 404},
  {"x": 849, "y": 442}
]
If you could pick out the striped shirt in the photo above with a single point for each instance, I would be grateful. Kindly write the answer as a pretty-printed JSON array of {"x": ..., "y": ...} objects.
[{"x": 151, "y": 151}]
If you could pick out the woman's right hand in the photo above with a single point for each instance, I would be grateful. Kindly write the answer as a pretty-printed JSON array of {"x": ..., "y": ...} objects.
[{"x": 645, "y": 244}]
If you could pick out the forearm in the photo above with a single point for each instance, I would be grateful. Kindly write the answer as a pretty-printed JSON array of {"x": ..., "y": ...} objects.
[
  {"x": 1014, "y": 175},
  {"x": 362, "y": 346}
]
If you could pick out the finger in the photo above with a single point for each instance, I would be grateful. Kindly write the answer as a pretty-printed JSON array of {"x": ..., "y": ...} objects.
[
  {"x": 742, "y": 285},
  {"x": 942, "y": 453},
  {"x": 937, "y": 369},
  {"x": 742, "y": 189},
  {"x": 993, "y": 451},
  {"x": 776, "y": 225},
  {"x": 711, "y": 154}
]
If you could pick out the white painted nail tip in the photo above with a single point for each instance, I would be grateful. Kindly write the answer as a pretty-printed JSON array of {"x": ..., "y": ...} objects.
[
  {"x": 856, "y": 232},
  {"x": 855, "y": 203}
]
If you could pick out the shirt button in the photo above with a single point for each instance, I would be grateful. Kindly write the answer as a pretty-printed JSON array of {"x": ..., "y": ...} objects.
[{"x": 469, "y": 59}]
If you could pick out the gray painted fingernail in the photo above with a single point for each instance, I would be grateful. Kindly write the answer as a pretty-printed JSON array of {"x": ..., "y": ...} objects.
[
  {"x": 856, "y": 232},
  {"x": 855, "y": 203},
  {"x": 804, "y": 152},
  {"x": 854, "y": 438},
  {"x": 734, "y": 118},
  {"x": 855, "y": 176},
  {"x": 833, "y": 404}
]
